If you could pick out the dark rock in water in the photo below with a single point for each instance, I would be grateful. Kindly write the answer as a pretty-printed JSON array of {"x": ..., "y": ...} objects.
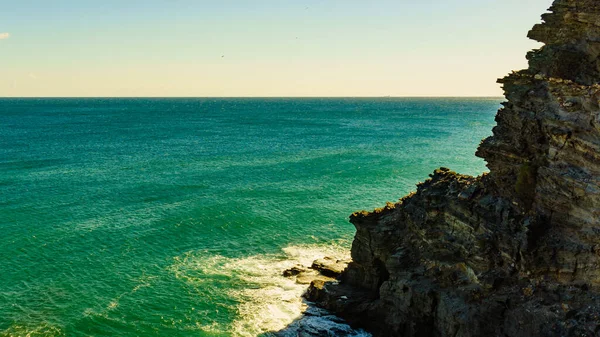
[
  {"x": 316, "y": 290},
  {"x": 296, "y": 270},
  {"x": 515, "y": 252},
  {"x": 329, "y": 266},
  {"x": 324, "y": 269}
]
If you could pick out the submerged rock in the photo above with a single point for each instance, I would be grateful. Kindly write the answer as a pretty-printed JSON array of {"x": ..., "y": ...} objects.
[
  {"x": 296, "y": 270},
  {"x": 515, "y": 252}
]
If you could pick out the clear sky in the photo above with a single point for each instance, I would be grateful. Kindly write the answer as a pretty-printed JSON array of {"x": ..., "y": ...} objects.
[{"x": 262, "y": 47}]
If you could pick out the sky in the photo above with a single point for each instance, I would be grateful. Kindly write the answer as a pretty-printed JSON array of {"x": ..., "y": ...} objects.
[{"x": 262, "y": 48}]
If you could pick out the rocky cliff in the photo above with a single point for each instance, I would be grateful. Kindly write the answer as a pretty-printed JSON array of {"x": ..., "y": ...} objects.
[{"x": 515, "y": 252}]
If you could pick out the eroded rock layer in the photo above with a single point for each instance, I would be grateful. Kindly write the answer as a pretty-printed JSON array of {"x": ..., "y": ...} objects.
[{"x": 515, "y": 252}]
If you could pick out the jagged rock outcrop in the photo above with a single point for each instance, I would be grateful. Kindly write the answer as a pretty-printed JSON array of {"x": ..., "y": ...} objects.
[{"x": 515, "y": 252}]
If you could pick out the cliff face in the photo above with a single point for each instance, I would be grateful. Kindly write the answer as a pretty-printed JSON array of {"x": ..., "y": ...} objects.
[
  {"x": 545, "y": 150},
  {"x": 515, "y": 252}
]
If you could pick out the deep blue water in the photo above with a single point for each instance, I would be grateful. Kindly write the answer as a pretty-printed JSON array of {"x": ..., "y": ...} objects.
[{"x": 156, "y": 217}]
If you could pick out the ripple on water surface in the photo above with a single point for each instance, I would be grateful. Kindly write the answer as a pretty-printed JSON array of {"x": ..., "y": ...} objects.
[{"x": 161, "y": 217}]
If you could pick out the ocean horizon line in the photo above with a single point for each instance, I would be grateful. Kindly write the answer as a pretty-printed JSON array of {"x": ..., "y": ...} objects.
[{"x": 245, "y": 97}]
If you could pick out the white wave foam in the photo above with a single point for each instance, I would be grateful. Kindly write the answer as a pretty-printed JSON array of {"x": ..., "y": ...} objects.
[
  {"x": 321, "y": 326},
  {"x": 265, "y": 300}
]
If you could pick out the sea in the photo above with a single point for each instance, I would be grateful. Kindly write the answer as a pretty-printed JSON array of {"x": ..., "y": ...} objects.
[{"x": 177, "y": 216}]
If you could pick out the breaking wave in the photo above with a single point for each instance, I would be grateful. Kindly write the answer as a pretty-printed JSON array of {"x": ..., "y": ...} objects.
[{"x": 264, "y": 300}]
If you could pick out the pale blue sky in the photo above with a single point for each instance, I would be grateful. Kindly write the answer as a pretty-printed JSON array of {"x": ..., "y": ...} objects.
[{"x": 262, "y": 48}]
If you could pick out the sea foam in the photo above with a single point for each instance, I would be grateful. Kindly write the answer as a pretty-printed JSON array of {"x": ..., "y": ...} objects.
[{"x": 265, "y": 300}]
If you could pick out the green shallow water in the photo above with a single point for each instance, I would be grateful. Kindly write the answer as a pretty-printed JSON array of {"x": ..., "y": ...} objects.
[{"x": 142, "y": 217}]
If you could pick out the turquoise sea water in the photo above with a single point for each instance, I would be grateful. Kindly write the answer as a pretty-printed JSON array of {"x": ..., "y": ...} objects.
[{"x": 175, "y": 217}]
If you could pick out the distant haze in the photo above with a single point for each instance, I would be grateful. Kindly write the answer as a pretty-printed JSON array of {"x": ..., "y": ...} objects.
[{"x": 263, "y": 48}]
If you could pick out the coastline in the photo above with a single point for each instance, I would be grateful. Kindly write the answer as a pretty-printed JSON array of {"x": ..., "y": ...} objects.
[{"x": 512, "y": 252}]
